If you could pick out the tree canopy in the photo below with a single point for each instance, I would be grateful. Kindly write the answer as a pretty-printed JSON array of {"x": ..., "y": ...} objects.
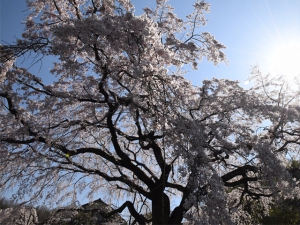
[{"x": 119, "y": 118}]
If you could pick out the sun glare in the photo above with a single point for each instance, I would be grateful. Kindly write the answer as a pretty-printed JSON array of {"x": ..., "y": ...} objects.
[{"x": 284, "y": 60}]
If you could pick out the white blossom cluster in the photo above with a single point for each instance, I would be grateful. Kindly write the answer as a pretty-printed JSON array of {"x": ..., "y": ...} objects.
[
  {"x": 18, "y": 216},
  {"x": 119, "y": 121}
]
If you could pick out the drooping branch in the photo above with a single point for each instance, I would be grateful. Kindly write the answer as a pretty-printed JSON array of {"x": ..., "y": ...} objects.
[
  {"x": 240, "y": 171},
  {"x": 9, "y": 52},
  {"x": 125, "y": 162}
]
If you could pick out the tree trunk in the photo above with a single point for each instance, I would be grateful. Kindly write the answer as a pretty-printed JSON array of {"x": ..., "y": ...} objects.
[{"x": 160, "y": 208}]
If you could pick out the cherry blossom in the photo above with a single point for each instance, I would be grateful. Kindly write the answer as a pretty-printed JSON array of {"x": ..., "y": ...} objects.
[{"x": 119, "y": 122}]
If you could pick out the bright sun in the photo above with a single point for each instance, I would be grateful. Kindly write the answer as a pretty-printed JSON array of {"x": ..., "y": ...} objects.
[{"x": 285, "y": 60}]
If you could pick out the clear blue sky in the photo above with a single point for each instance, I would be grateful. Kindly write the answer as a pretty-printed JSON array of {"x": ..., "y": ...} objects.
[{"x": 251, "y": 30}]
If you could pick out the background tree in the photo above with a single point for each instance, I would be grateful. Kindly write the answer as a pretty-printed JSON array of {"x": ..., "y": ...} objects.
[
  {"x": 5, "y": 203},
  {"x": 279, "y": 211},
  {"x": 118, "y": 120},
  {"x": 42, "y": 213},
  {"x": 82, "y": 218},
  {"x": 285, "y": 211}
]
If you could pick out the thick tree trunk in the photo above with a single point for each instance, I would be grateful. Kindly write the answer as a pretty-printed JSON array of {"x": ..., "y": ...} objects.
[
  {"x": 160, "y": 208},
  {"x": 177, "y": 215}
]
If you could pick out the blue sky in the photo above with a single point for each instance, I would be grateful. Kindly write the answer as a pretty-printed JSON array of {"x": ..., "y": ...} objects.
[{"x": 251, "y": 30}]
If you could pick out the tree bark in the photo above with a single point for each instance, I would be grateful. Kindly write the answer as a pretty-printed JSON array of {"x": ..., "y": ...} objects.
[{"x": 160, "y": 207}]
